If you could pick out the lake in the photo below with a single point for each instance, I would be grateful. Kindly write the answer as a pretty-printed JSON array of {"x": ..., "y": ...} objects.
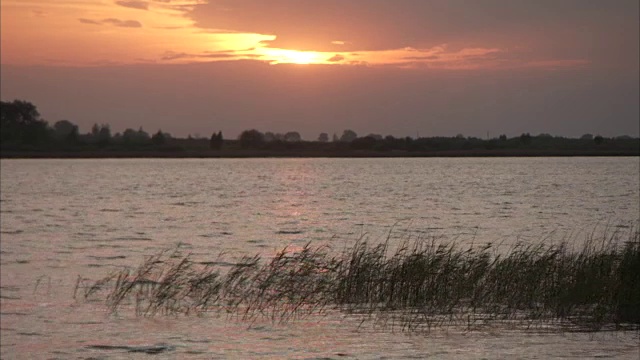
[{"x": 64, "y": 218}]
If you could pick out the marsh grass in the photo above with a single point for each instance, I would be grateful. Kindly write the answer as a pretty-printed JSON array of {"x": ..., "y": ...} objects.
[{"x": 418, "y": 286}]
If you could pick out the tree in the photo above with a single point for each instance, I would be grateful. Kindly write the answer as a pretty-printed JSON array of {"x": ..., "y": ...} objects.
[
  {"x": 215, "y": 143},
  {"x": 375, "y": 136},
  {"x": 73, "y": 137},
  {"x": 348, "y": 136},
  {"x": 20, "y": 123},
  {"x": 269, "y": 136},
  {"x": 130, "y": 136},
  {"x": 158, "y": 138},
  {"x": 104, "y": 136},
  {"x": 364, "y": 143},
  {"x": 101, "y": 134},
  {"x": 251, "y": 139},
  {"x": 323, "y": 137},
  {"x": 292, "y": 136},
  {"x": 63, "y": 128},
  {"x": 598, "y": 139},
  {"x": 95, "y": 130},
  {"x": 143, "y": 135}
]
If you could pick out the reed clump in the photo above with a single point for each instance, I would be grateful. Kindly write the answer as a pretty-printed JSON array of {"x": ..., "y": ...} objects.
[{"x": 418, "y": 286}]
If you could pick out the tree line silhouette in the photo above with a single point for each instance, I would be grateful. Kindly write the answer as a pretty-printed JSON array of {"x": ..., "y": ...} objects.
[{"x": 23, "y": 130}]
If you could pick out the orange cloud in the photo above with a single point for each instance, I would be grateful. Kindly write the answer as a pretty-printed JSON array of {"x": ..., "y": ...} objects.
[
  {"x": 134, "y": 4},
  {"x": 122, "y": 23},
  {"x": 89, "y": 21},
  {"x": 406, "y": 33},
  {"x": 112, "y": 21}
]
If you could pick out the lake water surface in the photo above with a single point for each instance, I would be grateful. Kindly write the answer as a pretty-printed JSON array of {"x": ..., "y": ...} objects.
[{"x": 64, "y": 218}]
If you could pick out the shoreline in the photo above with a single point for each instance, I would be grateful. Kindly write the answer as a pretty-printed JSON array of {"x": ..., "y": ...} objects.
[{"x": 236, "y": 153}]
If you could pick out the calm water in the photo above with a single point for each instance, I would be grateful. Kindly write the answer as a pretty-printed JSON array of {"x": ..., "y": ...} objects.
[{"x": 62, "y": 218}]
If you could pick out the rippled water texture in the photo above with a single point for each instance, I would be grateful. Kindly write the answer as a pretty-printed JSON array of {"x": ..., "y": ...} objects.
[{"x": 64, "y": 218}]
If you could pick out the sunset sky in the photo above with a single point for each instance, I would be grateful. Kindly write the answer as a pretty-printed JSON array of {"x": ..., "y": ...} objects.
[{"x": 399, "y": 67}]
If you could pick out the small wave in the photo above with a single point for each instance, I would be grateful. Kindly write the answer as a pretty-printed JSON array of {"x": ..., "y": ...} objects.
[
  {"x": 433, "y": 228},
  {"x": 14, "y": 313},
  {"x": 198, "y": 341},
  {"x": 82, "y": 233},
  {"x": 108, "y": 257},
  {"x": 218, "y": 263},
  {"x": 147, "y": 349},
  {"x": 126, "y": 238},
  {"x": 9, "y": 288},
  {"x": 12, "y": 232},
  {"x": 186, "y": 203},
  {"x": 112, "y": 246},
  {"x": 29, "y": 333},
  {"x": 289, "y": 232},
  {"x": 82, "y": 322},
  {"x": 223, "y": 233},
  {"x": 56, "y": 267}
]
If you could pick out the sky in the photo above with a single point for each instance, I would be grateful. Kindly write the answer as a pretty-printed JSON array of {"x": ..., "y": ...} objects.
[{"x": 391, "y": 67}]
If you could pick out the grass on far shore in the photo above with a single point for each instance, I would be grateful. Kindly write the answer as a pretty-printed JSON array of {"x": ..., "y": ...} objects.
[{"x": 418, "y": 286}]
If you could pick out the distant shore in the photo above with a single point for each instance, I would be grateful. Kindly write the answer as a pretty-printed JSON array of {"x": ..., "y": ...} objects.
[{"x": 240, "y": 153}]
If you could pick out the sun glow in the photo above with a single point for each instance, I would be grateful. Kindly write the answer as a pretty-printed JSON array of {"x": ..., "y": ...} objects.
[
  {"x": 108, "y": 32},
  {"x": 284, "y": 56}
]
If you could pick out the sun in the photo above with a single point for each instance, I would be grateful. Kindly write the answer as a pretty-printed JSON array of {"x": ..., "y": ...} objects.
[
  {"x": 301, "y": 57},
  {"x": 285, "y": 56}
]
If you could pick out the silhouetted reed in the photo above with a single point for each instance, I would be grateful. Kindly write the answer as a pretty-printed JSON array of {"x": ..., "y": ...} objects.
[{"x": 418, "y": 286}]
